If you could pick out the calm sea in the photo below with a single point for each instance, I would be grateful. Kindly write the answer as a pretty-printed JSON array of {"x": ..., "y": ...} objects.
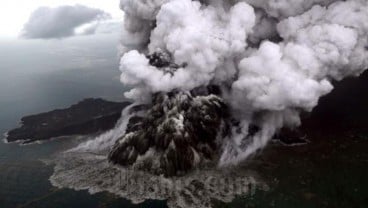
[{"x": 38, "y": 76}]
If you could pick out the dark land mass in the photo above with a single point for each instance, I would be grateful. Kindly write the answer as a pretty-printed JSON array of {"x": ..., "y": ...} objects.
[{"x": 86, "y": 117}]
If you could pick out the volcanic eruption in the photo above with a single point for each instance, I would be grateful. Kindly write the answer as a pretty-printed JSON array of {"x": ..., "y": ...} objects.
[
  {"x": 213, "y": 81},
  {"x": 218, "y": 79}
]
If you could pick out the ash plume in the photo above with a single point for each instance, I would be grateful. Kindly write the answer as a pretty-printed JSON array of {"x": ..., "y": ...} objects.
[
  {"x": 213, "y": 82},
  {"x": 270, "y": 59}
]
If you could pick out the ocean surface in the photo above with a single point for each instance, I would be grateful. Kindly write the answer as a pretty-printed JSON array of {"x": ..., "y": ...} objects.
[{"x": 40, "y": 76}]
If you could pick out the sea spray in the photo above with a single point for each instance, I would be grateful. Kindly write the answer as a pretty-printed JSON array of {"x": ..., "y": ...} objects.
[
  {"x": 85, "y": 171},
  {"x": 104, "y": 142}
]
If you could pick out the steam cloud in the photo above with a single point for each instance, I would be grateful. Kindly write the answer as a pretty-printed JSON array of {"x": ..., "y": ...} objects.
[
  {"x": 60, "y": 22},
  {"x": 272, "y": 58}
]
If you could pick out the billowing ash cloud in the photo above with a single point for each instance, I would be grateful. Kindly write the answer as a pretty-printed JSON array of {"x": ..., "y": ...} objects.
[
  {"x": 60, "y": 22},
  {"x": 272, "y": 59}
]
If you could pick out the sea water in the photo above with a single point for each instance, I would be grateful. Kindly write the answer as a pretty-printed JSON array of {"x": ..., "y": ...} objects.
[{"x": 38, "y": 76}]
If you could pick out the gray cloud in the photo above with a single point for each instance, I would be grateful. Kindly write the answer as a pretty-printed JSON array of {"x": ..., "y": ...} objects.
[
  {"x": 100, "y": 27},
  {"x": 60, "y": 22}
]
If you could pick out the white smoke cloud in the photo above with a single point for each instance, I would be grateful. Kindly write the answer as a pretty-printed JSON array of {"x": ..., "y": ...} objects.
[
  {"x": 285, "y": 8},
  {"x": 200, "y": 38},
  {"x": 278, "y": 56},
  {"x": 60, "y": 22}
]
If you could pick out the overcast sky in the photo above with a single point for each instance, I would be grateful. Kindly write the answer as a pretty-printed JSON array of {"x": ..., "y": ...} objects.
[
  {"x": 41, "y": 38},
  {"x": 15, "y": 13},
  {"x": 38, "y": 37},
  {"x": 52, "y": 62}
]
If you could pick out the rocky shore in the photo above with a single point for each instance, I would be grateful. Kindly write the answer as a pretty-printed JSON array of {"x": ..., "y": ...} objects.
[{"x": 86, "y": 117}]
